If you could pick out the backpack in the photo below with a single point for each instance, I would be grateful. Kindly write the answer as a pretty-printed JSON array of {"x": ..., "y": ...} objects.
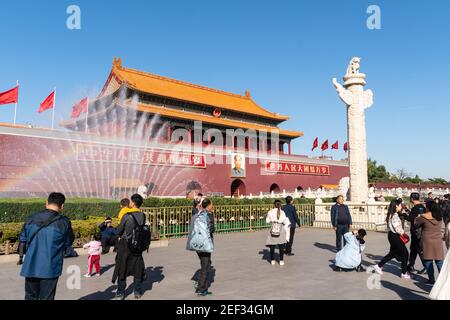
[
  {"x": 140, "y": 238},
  {"x": 199, "y": 238},
  {"x": 275, "y": 231}
]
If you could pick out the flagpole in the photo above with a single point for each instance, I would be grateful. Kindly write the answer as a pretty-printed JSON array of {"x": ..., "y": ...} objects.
[
  {"x": 54, "y": 107},
  {"x": 87, "y": 114},
  {"x": 15, "y": 104}
]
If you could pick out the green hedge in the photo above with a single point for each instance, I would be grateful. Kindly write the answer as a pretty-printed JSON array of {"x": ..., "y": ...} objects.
[
  {"x": 82, "y": 229},
  {"x": 180, "y": 202},
  {"x": 17, "y": 210}
]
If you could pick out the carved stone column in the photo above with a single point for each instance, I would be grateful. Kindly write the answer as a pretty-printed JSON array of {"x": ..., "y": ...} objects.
[{"x": 357, "y": 100}]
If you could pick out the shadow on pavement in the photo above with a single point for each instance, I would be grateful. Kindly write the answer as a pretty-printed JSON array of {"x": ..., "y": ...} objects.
[
  {"x": 422, "y": 283},
  {"x": 103, "y": 269},
  {"x": 374, "y": 257},
  {"x": 266, "y": 255},
  {"x": 108, "y": 294},
  {"x": 325, "y": 246},
  {"x": 210, "y": 279},
  {"x": 154, "y": 274},
  {"x": 403, "y": 292}
]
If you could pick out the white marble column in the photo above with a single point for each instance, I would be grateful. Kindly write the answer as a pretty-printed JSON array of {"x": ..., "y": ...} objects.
[{"x": 357, "y": 100}]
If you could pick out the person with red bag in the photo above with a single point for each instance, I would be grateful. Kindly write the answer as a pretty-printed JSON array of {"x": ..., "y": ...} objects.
[{"x": 397, "y": 239}]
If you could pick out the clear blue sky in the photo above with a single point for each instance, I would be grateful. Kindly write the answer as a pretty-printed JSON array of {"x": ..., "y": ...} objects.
[{"x": 284, "y": 52}]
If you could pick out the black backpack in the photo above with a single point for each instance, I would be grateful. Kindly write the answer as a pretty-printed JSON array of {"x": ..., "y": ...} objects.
[{"x": 140, "y": 238}]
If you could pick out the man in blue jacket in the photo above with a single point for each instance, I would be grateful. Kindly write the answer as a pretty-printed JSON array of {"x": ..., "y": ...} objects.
[
  {"x": 292, "y": 215},
  {"x": 46, "y": 235},
  {"x": 341, "y": 220}
]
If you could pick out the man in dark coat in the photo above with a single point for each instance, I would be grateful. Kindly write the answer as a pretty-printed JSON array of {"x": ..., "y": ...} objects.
[
  {"x": 341, "y": 220},
  {"x": 128, "y": 263},
  {"x": 292, "y": 215},
  {"x": 416, "y": 210},
  {"x": 108, "y": 235},
  {"x": 46, "y": 235},
  {"x": 445, "y": 207}
]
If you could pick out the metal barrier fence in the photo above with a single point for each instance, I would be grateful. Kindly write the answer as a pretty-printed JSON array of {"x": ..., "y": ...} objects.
[{"x": 173, "y": 222}]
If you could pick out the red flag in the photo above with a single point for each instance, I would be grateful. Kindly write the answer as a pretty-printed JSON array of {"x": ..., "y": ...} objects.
[
  {"x": 335, "y": 145},
  {"x": 315, "y": 144},
  {"x": 48, "y": 103},
  {"x": 80, "y": 107},
  {"x": 325, "y": 145},
  {"x": 10, "y": 96},
  {"x": 346, "y": 146}
]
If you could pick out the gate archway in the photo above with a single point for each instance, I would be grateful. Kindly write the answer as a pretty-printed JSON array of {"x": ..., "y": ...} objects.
[{"x": 237, "y": 188}]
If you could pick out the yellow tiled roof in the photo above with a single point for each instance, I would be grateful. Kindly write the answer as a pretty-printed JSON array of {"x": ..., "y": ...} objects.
[{"x": 180, "y": 90}]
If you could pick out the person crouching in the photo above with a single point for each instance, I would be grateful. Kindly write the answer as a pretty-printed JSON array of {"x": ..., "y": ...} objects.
[{"x": 349, "y": 258}]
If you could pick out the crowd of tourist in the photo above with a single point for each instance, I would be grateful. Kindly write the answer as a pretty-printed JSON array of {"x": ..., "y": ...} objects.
[
  {"x": 47, "y": 234},
  {"x": 426, "y": 237}
]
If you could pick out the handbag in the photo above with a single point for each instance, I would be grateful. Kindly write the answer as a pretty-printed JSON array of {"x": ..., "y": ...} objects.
[
  {"x": 275, "y": 231},
  {"x": 405, "y": 238}
]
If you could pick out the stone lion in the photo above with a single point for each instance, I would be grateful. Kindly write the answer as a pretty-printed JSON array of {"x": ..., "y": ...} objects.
[{"x": 353, "y": 66}]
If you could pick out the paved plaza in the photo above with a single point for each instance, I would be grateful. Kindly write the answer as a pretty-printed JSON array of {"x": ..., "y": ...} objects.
[{"x": 241, "y": 271}]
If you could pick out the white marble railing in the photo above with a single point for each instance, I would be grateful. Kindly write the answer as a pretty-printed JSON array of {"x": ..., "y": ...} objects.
[
  {"x": 367, "y": 216},
  {"x": 330, "y": 193}
]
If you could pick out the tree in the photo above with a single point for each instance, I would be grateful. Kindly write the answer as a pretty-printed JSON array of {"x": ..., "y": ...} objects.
[
  {"x": 415, "y": 180},
  {"x": 438, "y": 181},
  {"x": 376, "y": 173},
  {"x": 402, "y": 174}
]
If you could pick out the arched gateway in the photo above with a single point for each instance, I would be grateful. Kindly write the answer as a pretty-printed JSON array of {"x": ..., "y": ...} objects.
[
  {"x": 237, "y": 188},
  {"x": 275, "y": 188}
]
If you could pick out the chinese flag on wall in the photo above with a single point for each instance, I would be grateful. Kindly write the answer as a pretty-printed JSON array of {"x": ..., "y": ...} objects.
[
  {"x": 315, "y": 144},
  {"x": 48, "y": 103},
  {"x": 10, "y": 96},
  {"x": 80, "y": 108},
  {"x": 325, "y": 145},
  {"x": 335, "y": 145},
  {"x": 346, "y": 146}
]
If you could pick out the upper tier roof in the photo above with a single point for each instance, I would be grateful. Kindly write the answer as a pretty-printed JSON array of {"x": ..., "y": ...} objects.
[{"x": 180, "y": 90}]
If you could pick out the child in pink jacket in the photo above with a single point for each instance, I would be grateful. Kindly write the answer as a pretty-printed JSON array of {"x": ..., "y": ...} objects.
[{"x": 94, "y": 248}]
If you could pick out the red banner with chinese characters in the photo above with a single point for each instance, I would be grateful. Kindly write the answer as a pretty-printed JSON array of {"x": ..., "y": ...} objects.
[
  {"x": 88, "y": 152},
  {"x": 297, "y": 168}
]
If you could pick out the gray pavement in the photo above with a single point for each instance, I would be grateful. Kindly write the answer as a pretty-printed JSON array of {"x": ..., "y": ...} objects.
[{"x": 241, "y": 271}]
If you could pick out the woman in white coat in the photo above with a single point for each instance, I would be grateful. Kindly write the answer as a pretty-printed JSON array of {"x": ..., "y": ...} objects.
[{"x": 279, "y": 231}]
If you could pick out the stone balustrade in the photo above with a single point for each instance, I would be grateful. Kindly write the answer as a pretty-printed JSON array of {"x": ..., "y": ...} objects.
[{"x": 331, "y": 193}]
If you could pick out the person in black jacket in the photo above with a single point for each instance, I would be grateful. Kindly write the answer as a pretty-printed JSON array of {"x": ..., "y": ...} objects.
[
  {"x": 341, "y": 220},
  {"x": 445, "y": 207},
  {"x": 108, "y": 235},
  {"x": 292, "y": 215},
  {"x": 128, "y": 263},
  {"x": 197, "y": 204},
  {"x": 415, "y": 211}
]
